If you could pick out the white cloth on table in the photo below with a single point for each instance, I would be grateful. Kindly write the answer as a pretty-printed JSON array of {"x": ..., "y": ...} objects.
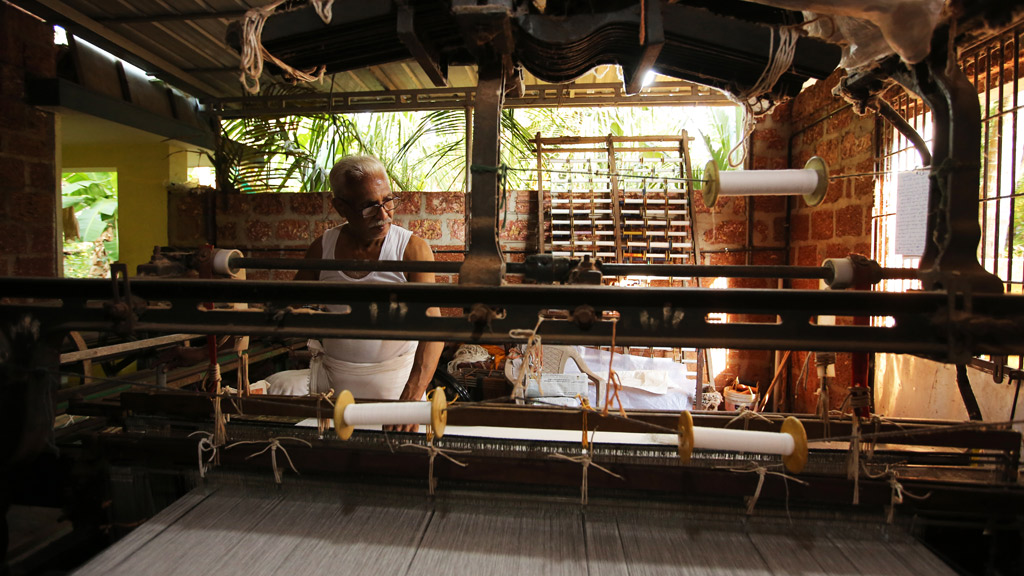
[{"x": 679, "y": 388}]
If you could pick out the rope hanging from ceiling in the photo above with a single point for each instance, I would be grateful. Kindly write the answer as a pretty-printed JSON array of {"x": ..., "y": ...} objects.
[{"x": 254, "y": 53}]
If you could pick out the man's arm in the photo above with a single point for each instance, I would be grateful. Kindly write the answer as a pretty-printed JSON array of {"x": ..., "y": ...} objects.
[
  {"x": 427, "y": 353},
  {"x": 314, "y": 252}
]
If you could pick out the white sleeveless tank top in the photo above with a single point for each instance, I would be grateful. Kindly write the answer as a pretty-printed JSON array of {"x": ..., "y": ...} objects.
[{"x": 367, "y": 351}]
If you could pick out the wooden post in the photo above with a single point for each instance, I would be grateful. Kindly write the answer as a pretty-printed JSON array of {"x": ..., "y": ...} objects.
[
  {"x": 616, "y": 212},
  {"x": 540, "y": 196}
]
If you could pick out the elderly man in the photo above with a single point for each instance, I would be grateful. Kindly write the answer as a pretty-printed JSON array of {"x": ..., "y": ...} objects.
[{"x": 379, "y": 369}]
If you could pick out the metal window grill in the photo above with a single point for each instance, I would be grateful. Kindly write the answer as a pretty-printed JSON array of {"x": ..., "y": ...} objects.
[{"x": 993, "y": 66}]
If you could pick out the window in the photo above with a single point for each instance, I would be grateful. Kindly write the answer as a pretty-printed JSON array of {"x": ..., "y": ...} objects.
[{"x": 994, "y": 67}]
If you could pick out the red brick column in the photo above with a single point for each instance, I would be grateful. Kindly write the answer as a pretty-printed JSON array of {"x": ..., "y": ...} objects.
[
  {"x": 28, "y": 183},
  {"x": 826, "y": 126}
]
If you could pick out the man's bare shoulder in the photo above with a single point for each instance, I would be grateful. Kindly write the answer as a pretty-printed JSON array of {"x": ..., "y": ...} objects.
[
  {"x": 316, "y": 249},
  {"x": 314, "y": 252},
  {"x": 418, "y": 249}
]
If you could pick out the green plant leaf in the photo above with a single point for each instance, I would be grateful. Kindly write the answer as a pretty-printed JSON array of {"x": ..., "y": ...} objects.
[
  {"x": 113, "y": 252},
  {"x": 106, "y": 206},
  {"x": 91, "y": 224},
  {"x": 69, "y": 201}
]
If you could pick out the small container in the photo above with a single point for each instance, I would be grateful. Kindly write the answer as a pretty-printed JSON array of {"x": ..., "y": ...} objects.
[{"x": 737, "y": 400}]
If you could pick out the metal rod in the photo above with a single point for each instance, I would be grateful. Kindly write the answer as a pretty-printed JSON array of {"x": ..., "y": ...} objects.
[
  {"x": 903, "y": 127},
  {"x": 681, "y": 270},
  {"x": 924, "y": 322},
  {"x": 353, "y": 265}
]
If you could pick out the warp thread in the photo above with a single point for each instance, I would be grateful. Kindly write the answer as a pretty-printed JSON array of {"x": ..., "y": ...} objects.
[
  {"x": 236, "y": 405},
  {"x": 533, "y": 359},
  {"x": 243, "y": 374},
  {"x": 611, "y": 390},
  {"x": 853, "y": 465},
  {"x": 746, "y": 414},
  {"x": 434, "y": 452},
  {"x": 896, "y": 490},
  {"x": 780, "y": 58},
  {"x": 220, "y": 431},
  {"x": 323, "y": 423},
  {"x": 761, "y": 473},
  {"x": 586, "y": 460},
  {"x": 205, "y": 445},
  {"x": 823, "y": 405},
  {"x": 877, "y": 421},
  {"x": 467, "y": 353},
  {"x": 273, "y": 444},
  {"x": 253, "y": 52}
]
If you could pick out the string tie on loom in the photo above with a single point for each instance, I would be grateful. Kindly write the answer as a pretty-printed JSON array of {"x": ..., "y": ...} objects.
[
  {"x": 533, "y": 359},
  {"x": 761, "y": 473},
  {"x": 220, "y": 431},
  {"x": 746, "y": 414},
  {"x": 273, "y": 444},
  {"x": 323, "y": 423},
  {"x": 896, "y": 490},
  {"x": 877, "y": 421},
  {"x": 433, "y": 452},
  {"x": 611, "y": 391},
  {"x": 586, "y": 459},
  {"x": 253, "y": 52},
  {"x": 205, "y": 445}
]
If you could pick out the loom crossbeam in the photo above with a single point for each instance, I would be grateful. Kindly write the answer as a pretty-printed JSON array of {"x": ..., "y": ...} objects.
[{"x": 934, "y": 324}]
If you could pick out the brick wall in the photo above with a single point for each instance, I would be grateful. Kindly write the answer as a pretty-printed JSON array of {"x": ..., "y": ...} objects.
[
  {"x": 28, "y": 188},
  {"x": 815, "y": 123},
  {"x": 826, "y": 126},
  {"x": 283, "y": 225},
  {"x": 723, "y": 238}
]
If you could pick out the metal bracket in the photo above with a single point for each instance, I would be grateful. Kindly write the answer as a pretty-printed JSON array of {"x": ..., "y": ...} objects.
[
  {"x": 953, "y": 197},
  {"x": 121, "y": 308}
]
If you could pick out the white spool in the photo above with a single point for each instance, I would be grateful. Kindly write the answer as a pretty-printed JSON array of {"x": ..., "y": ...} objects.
[
  {"x": 387, "y": 414},
  {"x": 348, "y": 414},
  {"x": 842, "y": 272},
  {"x": 811, "y": 182},
  {"x": 790, "y": 442},
  {"x": 743, "y": 441},
  {"x": 220, "y": 262}
]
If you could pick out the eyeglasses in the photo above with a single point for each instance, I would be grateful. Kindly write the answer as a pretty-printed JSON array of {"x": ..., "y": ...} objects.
[{"x": 388, "y": 204}]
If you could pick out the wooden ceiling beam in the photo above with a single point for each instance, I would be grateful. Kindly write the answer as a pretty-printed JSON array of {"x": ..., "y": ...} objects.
[
  {"x": 173, "y": 17},
  {"x": 77, "y": 22}
]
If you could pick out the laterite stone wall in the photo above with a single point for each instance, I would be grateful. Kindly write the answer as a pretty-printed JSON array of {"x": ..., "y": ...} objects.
[
  {"x": 283, "y": 225},
  {"x": 29, "y": 197}
]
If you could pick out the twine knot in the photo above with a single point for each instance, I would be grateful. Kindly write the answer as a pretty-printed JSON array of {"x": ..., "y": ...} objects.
[
  {"x": 434, "y": 452},
  {"x": 586, "y": 459},
  {"x": 896, "y": 490},
  {"x": 746, "y": 414},
  {"x": 273, "y": 444},
  {"x": 323, "y": 423},
  {"x": 205, "y": 445},
  {"x": 761, "y": 473}
]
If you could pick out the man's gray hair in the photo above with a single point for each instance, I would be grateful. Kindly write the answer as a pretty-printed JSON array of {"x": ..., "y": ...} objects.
[{"x": 355, "y": 169}]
